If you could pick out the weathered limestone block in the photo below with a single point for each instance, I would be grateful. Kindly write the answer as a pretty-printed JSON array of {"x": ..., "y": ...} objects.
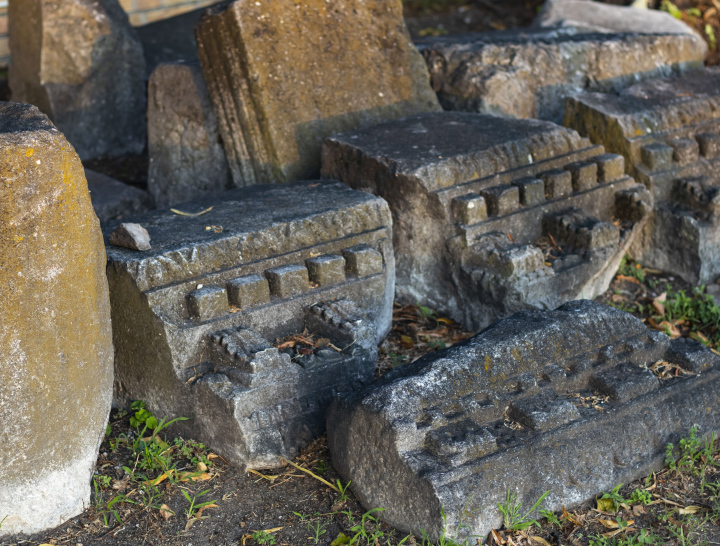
[
  {"x": 668, "y": 130},
  {"x": 82, "y": 64},
  {"x": 284, "y": 75},
  {"x": 434, "y": 435},
  {"x": 601, "y": 17},
  {"x": 197, "y": 317},
  {"x": 55, "y": 338},
  {"x": 492, "y": 216},
  {"x": 112, "y": 199},
  {"x": 529, "y": 73},
  {"x": 187, "y": 159}
]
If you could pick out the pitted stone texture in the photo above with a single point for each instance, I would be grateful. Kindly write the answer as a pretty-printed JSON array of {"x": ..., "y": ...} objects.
[
  {"x": 112, "y": 199},
  {"x": 431, "y": 436},
  {"x": 215, "y": 293},
  {"x": 284, "y": 75},
  {"x": 55, "y": 337},
  {"x": 529, "y": 73},
  {"x": 468, "y": 194},
  {"x": 187, "y": 159},
  {"x": 82, "y": 64},
  {"x": 600, "y": 17},
  {"x": 668, "y": 131},
  {"x": 132, "y": 236}
]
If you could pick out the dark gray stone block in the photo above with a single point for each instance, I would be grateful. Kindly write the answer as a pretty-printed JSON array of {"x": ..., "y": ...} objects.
[
  {"x": 584, "y": 175},
  {"x": 610, "y": 167},
  {"x": 208, "y": 302},
  {"x": 287, "y": 281},
  {"x": 363, "y": 260},
  {"x": 431, "y": 437},
  {"x": 326, "y": 270},
  {"x": 196, "y": 329},
  {"x": 112, "y": 199},
  {"x": 558, "y": 183},
  {"x": 471, "y": 208},
  {"x": 502, "y": 199},
  {"x": 248, "y": 291},
  {"x": 532, "y": 191},
  {"x": 468, "y": 194},
  {"x": 668, "y": 131}
]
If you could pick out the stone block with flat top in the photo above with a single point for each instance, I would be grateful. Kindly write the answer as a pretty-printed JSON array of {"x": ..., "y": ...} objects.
[
  {"x": 528, "y": 73},
  {"x": 198, "y": 318},
  {"x": 283, "y": 75},
  {"x": 470, "y": 193},
  {"x": 508, "y": 410},
  {"x": 668, "y": 131}
]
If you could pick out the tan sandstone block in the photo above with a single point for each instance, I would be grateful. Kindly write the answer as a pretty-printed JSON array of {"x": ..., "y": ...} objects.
[
  {"x": 283, "y": 75},
  {"x": 56, "y": 353}
]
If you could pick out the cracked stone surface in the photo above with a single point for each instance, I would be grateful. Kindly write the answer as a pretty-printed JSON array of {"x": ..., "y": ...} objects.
[
  {"x": 529, "y": 73},
  {"x": 668, "y": 131},
  {"x": 187, "y": 159},
  {"x": 458, "y": 428},
  {"x": 477, "y": 199},
  {"x": 196, "y": 317}
]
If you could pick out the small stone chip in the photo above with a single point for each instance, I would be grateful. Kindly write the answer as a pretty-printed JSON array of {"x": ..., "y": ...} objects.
[{"x": 132, "y": 236}]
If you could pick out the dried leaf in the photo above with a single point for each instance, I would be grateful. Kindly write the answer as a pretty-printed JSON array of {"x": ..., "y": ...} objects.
[
  {"x": 269, "y": 477},
  {"x": 161, "y": 478},
  {"x": 201, "y": 467},
  {"x": 610, "y": 524},
  {"x": 445, "y": 320},
  {"x": 690, "y": 510},
  {"x": 540, "y": 540},
  {"x": 638, "y": 510},
  {"x": 181, "y": 213},
  {"x": 311, "y": 473},
  {"x": 198, "y": 514},
  {"x": 498, "y": 539},
  {"x": 190, "y": 523},
  {"x": 407, "y": 342},
  {"x": 669, "y": 327},
  {"x": 165, "y": 512},
  {"x": 627, "y": 278}
]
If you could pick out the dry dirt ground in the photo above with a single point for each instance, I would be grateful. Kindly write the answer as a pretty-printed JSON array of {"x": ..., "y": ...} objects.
[{"x": 136, "y": 501}]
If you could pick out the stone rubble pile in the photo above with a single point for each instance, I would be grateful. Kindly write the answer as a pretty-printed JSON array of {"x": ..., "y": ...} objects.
[{"x": 308, "y": 162}]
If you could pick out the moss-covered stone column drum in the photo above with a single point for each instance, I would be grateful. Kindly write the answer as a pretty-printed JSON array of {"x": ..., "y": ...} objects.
[{"x": 55, "y": 337}]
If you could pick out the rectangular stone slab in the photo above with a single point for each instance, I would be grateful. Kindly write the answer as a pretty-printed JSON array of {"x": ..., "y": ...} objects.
[
  {"x": 475, "y": 201},
  {"x": 528, "y": 73},
  {"x": 667, "y": 130},
  {"x": 283, "y": 75},
  {"x": 185, "y": 347},
  {"x": 459, "y": 428}
]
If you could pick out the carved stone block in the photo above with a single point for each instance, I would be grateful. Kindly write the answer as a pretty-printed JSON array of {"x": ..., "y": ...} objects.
[
  {"x": 511, "y": 410},
  {"x": 494, "y": 215},
  {"x": 668, "y": 131},
  {"x": 197, "y": 317}
]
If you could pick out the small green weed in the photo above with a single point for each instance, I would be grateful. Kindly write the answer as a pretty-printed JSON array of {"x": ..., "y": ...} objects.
[
  {"x": 550, "y": 516},
  {"x": 612, "y": 501},
  {"x": 511, "y": 511},
  {"x": 195, "y": 506},
  {"x": 261, "y": 537},
  {"x": 630, "y": 269},
  {"x": 640, "y": 496},
  {"x": 317, "y": 529}
]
